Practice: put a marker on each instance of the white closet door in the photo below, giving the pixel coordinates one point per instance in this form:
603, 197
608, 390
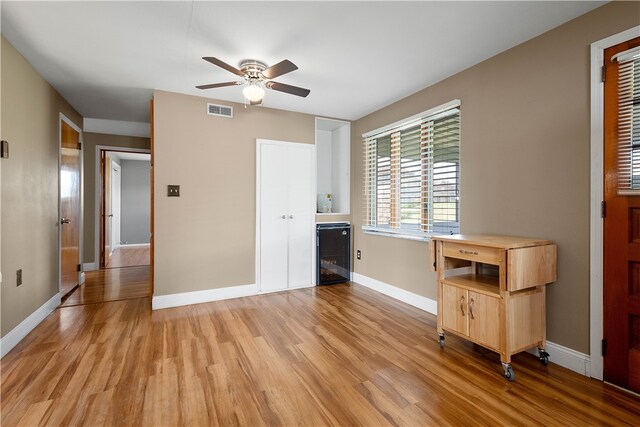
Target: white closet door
274, 180
301, 208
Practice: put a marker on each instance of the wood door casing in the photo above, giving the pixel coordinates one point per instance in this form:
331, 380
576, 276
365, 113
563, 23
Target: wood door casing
70, 158
621, 304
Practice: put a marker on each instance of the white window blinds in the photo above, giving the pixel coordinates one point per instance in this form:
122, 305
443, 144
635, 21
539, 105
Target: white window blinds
412, 176
629, 121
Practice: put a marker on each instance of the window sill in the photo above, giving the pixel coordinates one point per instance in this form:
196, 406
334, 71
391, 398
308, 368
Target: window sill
395, 234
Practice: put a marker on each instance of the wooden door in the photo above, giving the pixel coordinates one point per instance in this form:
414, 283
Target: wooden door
621, 247
300, 215
105, 211
70, 157
115, 215
273, 219
454, 309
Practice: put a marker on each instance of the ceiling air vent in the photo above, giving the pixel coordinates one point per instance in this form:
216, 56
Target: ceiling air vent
219, 110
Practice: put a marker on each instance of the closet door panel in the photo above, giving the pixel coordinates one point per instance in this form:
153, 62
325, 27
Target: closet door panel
274, 181
300, 218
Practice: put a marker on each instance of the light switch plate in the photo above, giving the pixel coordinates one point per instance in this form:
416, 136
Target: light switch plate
173, 190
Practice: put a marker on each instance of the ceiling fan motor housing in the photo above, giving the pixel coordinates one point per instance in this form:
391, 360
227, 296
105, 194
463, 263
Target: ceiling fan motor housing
253, 69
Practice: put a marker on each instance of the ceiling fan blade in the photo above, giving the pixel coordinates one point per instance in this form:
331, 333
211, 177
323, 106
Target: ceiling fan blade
293, 90
213, 85
221, 64
282, 67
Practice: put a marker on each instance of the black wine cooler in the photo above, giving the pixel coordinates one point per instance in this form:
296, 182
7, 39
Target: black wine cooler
333, 253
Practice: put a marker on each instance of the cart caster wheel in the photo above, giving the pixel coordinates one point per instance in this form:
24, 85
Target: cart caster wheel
441, 340
544, 357
508, 372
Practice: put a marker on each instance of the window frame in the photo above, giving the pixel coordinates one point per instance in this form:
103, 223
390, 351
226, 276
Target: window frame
369, 206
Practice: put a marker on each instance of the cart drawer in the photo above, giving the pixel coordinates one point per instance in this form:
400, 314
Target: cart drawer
473, 253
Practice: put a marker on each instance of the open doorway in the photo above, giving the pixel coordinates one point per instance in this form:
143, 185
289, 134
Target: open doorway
122, 224
125, 209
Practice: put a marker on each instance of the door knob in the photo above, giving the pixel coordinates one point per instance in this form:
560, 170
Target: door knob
110, 216
290, 216
284, 217
65, 221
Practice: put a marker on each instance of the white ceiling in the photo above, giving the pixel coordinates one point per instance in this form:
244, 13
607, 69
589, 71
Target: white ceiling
123, 155
106, 58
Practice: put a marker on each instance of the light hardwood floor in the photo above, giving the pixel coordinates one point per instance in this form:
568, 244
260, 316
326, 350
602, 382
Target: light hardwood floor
129, 256
111, 284
334, 355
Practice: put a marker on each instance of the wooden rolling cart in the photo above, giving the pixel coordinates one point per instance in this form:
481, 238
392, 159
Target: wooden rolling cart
498, 300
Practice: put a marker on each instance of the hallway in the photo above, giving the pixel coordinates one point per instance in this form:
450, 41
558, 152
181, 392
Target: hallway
129, 256
111, 284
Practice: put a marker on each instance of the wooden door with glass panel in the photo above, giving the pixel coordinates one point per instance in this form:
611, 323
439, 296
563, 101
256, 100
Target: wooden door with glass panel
621, 211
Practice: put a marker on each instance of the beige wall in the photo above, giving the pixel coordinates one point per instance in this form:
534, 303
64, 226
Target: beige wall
30, 111
91, 141
525, 161
332, 218
206, 238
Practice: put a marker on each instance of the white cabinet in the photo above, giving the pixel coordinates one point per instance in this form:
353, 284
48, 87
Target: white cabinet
285, 221
333, 164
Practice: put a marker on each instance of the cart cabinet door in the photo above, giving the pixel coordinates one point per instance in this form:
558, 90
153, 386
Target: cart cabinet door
454, 309
484, 319
530, 267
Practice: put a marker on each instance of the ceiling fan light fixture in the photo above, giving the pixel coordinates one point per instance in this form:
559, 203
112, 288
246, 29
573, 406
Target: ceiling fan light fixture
253, 92
257, 77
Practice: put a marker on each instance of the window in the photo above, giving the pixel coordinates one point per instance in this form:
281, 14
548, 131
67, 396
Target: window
629, 120
412, 175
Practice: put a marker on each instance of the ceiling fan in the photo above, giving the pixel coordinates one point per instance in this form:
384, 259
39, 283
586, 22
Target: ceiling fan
257, 76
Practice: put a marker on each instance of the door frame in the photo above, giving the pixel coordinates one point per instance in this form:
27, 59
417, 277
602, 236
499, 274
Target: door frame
115, 245
68, 121
312, 147
97, 191
596, 255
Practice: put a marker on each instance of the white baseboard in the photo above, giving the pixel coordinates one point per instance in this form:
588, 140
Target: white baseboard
423, 303
567, 358
13, 337
197, 297
558, 354
89, 266
133, 245
274, 291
